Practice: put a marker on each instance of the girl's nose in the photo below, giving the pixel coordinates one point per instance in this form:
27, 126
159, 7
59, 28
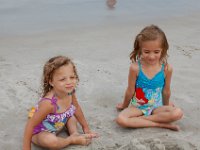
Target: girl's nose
152, 56
68, 81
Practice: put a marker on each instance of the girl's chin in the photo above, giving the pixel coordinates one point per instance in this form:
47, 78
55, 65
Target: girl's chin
69, 89
152, 62
70, 92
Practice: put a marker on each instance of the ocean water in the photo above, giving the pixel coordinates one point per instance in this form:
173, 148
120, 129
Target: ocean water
31, 16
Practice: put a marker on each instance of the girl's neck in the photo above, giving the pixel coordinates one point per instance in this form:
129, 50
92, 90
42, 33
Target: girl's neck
60, 95
146, 65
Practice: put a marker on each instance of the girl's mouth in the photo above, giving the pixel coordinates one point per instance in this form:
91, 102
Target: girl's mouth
69, 87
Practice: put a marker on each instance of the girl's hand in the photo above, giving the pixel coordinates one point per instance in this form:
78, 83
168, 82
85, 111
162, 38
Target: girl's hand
171, 104
120, 106
91, 133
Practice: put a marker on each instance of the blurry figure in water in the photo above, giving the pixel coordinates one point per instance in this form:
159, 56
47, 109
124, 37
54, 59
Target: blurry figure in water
111, 3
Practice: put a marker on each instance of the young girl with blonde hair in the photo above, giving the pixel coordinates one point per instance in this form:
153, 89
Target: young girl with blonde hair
58, 108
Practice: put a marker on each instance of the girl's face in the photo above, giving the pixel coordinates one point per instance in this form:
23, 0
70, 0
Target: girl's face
64, 80
151, 52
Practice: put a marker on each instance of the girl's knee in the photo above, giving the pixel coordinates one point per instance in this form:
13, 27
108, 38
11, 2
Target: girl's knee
177, 114
121, 120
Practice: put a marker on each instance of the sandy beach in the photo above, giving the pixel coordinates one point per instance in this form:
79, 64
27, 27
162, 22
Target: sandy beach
101, 53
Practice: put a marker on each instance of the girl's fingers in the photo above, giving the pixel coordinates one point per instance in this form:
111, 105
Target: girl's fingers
88, 136
88, 141
119, 106
91, 135
94, 135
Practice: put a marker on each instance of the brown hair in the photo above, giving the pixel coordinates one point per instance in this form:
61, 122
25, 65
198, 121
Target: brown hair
150, 33
50, 67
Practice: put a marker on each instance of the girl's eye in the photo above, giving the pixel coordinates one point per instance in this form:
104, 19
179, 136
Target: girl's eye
72, 77
157, 52
62, 79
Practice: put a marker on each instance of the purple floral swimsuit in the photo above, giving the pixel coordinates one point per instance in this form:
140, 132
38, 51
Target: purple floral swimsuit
54, 122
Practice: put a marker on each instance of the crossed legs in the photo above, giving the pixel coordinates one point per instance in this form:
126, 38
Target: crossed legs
161, 117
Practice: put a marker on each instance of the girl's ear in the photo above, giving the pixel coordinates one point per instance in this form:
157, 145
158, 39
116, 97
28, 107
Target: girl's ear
50, 82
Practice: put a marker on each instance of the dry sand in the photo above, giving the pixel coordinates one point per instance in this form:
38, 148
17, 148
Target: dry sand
101, 54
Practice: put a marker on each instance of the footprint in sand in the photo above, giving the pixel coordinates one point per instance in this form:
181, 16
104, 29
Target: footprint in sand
23, 83
187, 50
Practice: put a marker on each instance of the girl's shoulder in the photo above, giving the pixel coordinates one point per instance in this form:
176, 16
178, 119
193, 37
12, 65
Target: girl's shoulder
134, 69
134, 66
46, 106
168, 70
47, 101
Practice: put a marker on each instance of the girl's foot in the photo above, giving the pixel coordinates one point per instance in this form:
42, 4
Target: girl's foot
84, 139
175, 127
171, 127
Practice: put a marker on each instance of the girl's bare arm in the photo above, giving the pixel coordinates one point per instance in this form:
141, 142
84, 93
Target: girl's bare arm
133, 71
79, 115
166, 90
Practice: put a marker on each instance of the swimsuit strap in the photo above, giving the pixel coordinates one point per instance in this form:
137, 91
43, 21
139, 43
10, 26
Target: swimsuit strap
163, 67
53, 101
139, 64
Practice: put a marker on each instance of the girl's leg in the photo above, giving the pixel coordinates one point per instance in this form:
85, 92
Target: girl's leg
73, 129
51, 141
165, 114
133, 117
72, 126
